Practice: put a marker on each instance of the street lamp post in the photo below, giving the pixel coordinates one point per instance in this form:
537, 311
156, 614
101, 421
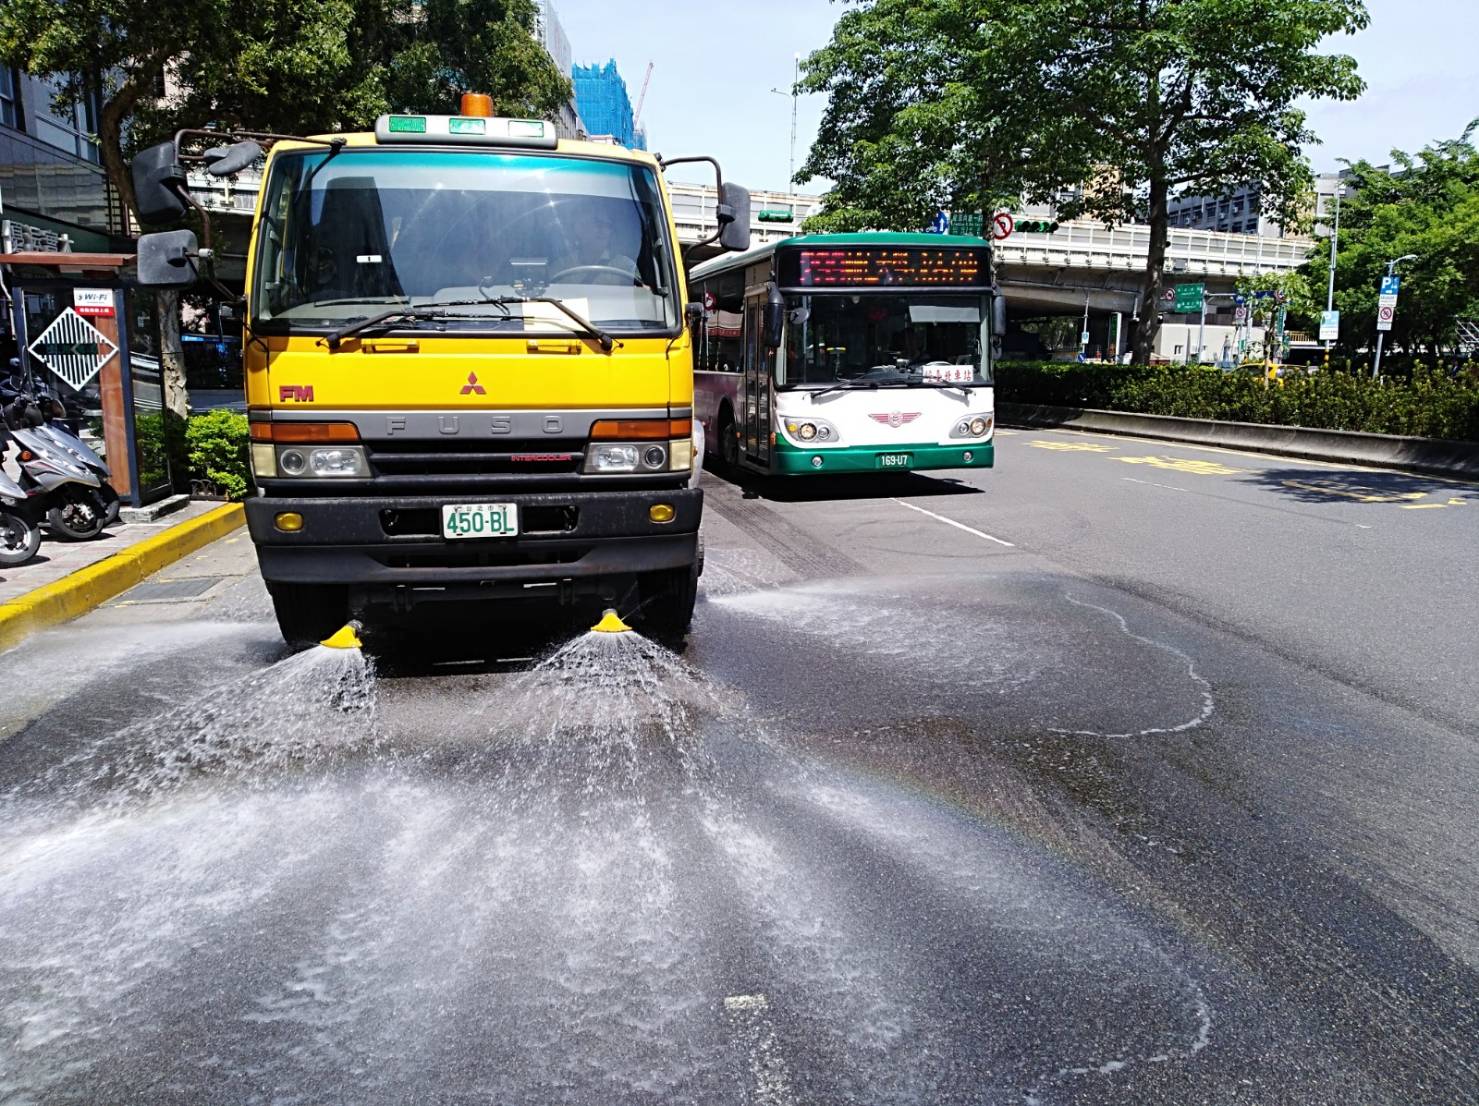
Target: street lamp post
1380, 334
1330, 295
791, 167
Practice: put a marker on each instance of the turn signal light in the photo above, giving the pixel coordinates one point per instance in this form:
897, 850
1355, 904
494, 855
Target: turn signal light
305, 432
642, 429
661, 512
289, 522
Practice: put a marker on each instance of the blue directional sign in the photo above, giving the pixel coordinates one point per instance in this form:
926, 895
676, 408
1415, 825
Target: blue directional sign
941, 225
1391, 285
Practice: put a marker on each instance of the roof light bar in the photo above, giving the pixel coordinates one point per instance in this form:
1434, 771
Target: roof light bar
465, 130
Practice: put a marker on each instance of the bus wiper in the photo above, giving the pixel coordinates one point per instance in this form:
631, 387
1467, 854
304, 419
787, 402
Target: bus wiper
403, 311
843, 386
604, 340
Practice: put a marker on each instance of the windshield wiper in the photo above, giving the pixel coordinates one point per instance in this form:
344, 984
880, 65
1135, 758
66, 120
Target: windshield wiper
843, 386
604, 340
434, 310
402, 311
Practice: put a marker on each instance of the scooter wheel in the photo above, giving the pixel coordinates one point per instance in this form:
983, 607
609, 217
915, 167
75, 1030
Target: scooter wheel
111, 503
19, 540
78, 516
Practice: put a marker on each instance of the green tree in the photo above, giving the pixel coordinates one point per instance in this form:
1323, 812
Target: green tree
1426, 205
291, 66
1106, 107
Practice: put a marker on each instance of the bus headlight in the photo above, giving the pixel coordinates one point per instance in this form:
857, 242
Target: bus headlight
973, 426
322, 462
810, 430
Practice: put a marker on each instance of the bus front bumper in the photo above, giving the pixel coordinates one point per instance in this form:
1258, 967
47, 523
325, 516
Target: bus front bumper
789, 459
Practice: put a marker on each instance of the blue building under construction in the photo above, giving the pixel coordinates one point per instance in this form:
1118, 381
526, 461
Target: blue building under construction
604, 106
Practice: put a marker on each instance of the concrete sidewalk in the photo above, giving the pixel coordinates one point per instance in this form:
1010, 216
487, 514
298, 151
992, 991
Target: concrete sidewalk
67, 579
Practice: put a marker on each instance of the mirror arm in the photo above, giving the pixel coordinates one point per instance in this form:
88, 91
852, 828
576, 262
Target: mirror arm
665, 163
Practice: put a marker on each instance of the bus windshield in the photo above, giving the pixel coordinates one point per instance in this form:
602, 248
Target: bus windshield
885, 340
346, 235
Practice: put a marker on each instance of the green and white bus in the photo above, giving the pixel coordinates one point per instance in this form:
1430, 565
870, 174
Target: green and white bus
837, 353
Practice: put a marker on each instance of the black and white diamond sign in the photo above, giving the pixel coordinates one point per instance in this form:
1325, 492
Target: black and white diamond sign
73, 348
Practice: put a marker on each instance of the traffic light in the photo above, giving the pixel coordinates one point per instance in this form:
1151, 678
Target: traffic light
1036, 226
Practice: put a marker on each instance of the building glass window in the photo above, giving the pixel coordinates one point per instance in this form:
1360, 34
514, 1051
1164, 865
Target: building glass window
71, 129
9, 108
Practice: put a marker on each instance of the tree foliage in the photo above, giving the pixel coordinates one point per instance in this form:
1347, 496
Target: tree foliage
293, 66
1426, 205
1105, 107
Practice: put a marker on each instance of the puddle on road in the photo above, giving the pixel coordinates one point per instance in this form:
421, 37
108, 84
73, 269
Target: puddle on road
272, 893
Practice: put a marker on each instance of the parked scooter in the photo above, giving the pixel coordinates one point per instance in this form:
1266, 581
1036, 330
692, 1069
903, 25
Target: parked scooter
20, 524
79, 500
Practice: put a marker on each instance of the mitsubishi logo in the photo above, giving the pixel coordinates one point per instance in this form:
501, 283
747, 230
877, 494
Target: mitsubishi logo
895, 419
472, 387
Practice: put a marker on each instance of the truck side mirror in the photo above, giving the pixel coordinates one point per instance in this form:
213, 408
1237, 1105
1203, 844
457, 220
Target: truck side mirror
225, 161
158, 180
167, 259
734, 216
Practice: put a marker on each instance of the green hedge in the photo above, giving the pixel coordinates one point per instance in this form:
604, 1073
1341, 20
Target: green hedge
217, 445
1428, 405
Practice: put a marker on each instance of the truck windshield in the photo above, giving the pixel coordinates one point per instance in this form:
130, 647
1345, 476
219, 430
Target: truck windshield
885, 340
343, 236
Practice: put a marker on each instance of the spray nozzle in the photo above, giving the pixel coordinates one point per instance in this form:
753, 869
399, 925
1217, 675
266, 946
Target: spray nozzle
346, 637
611, 623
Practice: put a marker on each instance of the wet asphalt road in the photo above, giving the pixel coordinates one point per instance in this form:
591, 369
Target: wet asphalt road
1125, 773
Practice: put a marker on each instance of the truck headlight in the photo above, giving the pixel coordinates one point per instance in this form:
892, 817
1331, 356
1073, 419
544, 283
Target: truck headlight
322, 462
613, 457
973, 426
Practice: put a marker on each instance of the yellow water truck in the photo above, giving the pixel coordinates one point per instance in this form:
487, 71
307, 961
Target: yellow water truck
468, 366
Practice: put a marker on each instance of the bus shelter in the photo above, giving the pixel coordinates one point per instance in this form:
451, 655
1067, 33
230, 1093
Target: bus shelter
78, 324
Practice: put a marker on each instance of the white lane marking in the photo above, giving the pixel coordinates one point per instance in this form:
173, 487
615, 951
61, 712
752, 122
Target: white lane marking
957, 525
750, 1015
1153, 484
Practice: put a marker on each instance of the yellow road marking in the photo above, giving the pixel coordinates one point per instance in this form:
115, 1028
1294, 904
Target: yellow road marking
1354, 491
1423, 506
1457, 502
1254, 455
1073, 447
1179, 464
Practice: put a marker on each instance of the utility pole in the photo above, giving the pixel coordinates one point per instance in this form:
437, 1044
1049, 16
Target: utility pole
1380, 334
1330, 294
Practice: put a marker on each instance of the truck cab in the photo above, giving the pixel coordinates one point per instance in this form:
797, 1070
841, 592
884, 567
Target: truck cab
468, 375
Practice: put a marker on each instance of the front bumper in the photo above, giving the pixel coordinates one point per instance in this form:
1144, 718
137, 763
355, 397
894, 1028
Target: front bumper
572, 541
788, 458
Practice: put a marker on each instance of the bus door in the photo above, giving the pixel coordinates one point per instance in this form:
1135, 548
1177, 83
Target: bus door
759, 363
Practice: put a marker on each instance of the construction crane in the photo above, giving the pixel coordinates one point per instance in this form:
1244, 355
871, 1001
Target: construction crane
642, 97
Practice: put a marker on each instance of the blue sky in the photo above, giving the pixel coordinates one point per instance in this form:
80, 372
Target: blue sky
715, 65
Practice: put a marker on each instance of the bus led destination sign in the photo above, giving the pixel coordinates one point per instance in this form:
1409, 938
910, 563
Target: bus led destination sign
852, 267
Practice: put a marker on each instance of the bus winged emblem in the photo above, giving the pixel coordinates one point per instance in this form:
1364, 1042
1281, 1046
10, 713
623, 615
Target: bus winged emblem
472, 387
894, 419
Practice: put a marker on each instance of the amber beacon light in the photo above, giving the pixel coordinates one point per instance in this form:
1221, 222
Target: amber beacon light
477, 105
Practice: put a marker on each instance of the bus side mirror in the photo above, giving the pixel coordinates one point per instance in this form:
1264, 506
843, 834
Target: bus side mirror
167, 259
734, 216
998, 314
775, 319
158, 179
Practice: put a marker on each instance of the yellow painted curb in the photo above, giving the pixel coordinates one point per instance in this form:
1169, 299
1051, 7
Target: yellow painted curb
81, 591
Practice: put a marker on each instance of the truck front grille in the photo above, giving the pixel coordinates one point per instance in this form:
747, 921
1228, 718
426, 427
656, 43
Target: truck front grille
460, 457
